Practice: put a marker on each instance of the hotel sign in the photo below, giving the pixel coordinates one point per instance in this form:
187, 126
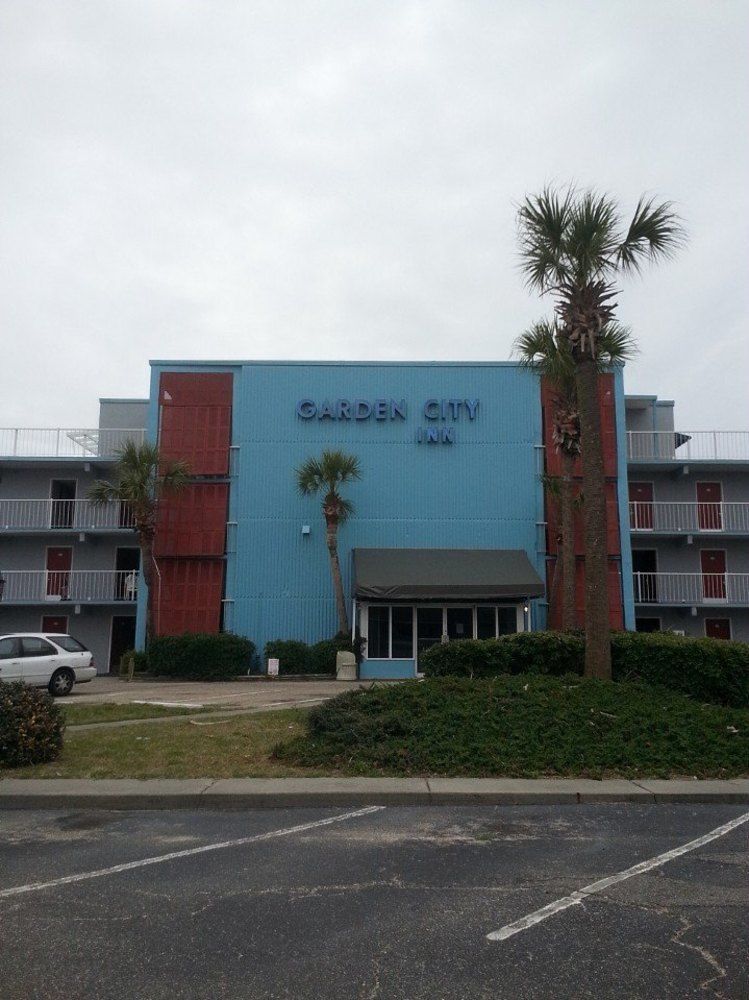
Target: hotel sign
442, 414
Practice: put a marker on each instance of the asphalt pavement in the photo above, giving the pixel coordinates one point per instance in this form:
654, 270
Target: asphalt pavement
376, 902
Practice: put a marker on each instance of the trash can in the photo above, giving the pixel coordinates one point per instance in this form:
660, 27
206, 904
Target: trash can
345, 666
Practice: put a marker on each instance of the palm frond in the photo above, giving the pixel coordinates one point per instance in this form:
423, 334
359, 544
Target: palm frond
103, 492
541, 348
615, 344
542, 222
655, 232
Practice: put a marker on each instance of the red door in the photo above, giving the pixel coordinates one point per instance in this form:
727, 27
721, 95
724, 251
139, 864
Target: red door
55, 624
709, 506
718, 628
713, 565
641, 506
59, 562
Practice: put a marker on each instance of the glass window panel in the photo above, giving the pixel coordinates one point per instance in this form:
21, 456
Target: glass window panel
486, 625
428, 627
403, 632
37, 647
8, 649
460, 623
378, 638
507, 620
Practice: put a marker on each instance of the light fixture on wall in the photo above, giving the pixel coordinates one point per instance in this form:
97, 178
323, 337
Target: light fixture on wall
305, 529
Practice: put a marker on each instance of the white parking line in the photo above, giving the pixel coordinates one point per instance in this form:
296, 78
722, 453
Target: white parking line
19, 890
575, 898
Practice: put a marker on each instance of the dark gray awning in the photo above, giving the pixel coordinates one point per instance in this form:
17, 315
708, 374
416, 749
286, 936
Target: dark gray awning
444, 574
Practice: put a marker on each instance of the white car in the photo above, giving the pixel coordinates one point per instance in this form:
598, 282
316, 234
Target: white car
56, 662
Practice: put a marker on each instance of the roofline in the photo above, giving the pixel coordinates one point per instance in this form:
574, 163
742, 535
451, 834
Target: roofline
123, 399
239, 363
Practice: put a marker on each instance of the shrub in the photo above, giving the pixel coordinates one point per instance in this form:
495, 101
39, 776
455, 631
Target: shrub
31, 726
201, 656
525, 726
553, 653
706, 669
293, 656
141, 662
323, 653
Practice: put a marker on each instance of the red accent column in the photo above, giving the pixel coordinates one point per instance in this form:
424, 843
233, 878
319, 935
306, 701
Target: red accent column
195, 411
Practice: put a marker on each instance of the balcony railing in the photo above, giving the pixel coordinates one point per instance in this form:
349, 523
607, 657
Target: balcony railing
61, 515
691, 446
60, 442
691, 588
678, 517
84, 586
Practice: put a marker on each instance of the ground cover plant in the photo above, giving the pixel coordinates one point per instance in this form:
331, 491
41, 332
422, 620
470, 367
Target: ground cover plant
705, 669
523, 726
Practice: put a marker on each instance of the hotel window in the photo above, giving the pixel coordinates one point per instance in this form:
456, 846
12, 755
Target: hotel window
378, 629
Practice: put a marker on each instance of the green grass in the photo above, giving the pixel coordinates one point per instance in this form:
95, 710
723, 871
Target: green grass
240, 747
79, 715
522, 726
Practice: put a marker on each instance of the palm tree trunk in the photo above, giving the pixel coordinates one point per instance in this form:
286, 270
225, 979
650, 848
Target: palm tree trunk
597, 624
335, 570
146, 563
567, 554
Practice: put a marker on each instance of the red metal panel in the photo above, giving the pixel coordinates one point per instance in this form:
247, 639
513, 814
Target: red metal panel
195, 389
195, 420
193, 523
190, 599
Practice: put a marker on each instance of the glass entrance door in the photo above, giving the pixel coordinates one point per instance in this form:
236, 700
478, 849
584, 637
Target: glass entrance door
460, 623
428, 628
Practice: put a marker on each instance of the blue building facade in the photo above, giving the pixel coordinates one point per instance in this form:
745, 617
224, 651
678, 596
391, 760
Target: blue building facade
451, 457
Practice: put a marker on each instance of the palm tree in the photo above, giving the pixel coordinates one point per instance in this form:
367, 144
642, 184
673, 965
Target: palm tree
574, 247
140, 480
544, 349
326, 475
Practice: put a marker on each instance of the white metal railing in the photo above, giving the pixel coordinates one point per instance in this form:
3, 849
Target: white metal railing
65, 442
691, 588
688, 516
76, 515
688, 446
79, 586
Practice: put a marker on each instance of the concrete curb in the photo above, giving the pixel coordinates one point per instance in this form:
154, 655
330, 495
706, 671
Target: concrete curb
244, 793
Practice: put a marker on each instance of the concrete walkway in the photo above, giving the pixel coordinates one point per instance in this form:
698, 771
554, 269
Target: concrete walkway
239, 793
250, 693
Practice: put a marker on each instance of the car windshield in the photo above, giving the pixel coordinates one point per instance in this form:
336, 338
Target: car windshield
68, 643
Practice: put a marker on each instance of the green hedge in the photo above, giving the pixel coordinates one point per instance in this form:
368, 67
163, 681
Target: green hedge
293, 656
710, 670
298, 658
31, 726
202, 656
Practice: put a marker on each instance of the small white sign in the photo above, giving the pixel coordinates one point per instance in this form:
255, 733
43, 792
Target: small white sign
272, 667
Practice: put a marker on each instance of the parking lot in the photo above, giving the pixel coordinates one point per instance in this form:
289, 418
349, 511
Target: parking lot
396, 902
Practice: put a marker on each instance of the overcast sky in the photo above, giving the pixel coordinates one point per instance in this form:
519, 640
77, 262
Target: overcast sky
184, 179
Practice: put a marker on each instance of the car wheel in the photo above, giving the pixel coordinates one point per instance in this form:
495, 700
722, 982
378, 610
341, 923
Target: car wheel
61, 682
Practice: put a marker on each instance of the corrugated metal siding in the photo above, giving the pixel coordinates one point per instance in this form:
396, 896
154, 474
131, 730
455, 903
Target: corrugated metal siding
195, 424
190, 599
481, 492
194, 522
